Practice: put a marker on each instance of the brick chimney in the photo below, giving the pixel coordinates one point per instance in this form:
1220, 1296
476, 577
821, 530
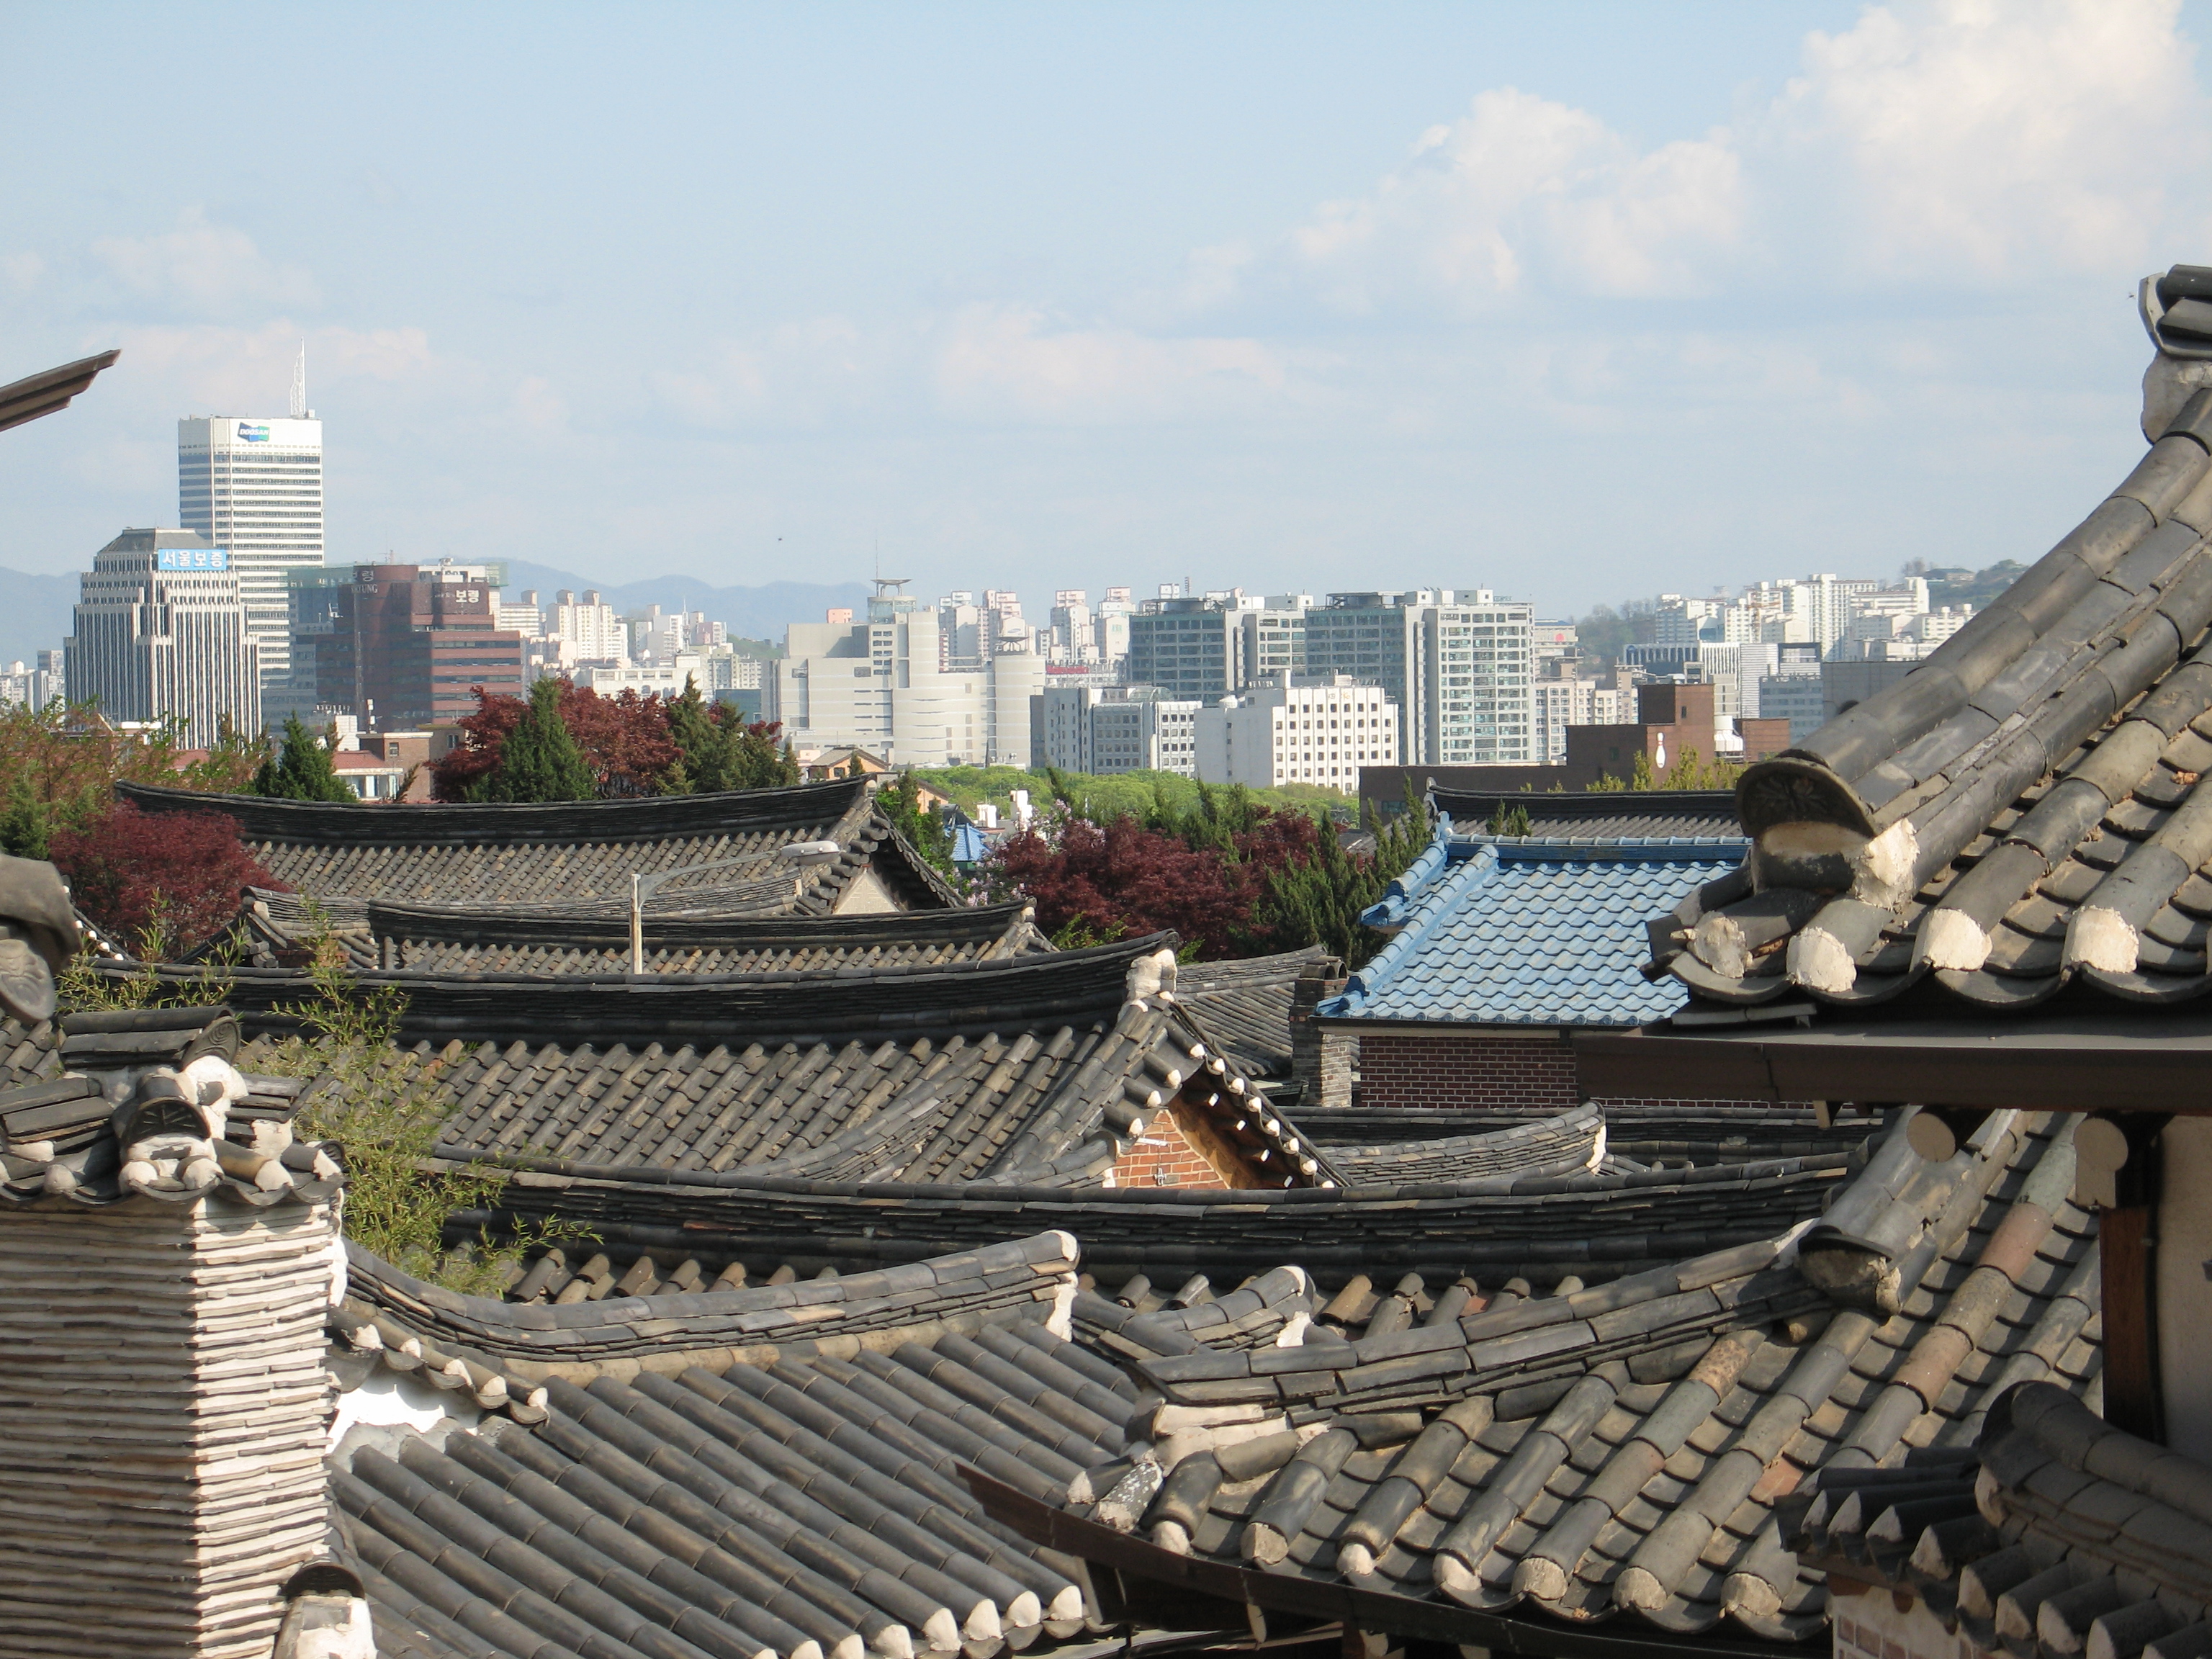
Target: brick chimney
1321, 1059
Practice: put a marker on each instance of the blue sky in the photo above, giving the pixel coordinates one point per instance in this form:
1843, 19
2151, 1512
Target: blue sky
1579, 302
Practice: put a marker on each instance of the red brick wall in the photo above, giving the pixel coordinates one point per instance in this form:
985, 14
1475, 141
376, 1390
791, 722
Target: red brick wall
1464, 1071
1461, 1072
1164, 1156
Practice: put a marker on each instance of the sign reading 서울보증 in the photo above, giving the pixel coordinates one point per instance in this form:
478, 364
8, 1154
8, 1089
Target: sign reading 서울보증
191, 558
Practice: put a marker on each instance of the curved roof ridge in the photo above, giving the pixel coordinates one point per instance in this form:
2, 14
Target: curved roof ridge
505, 924
649, 818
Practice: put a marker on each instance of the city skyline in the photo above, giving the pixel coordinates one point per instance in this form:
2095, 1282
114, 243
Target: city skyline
1468, 297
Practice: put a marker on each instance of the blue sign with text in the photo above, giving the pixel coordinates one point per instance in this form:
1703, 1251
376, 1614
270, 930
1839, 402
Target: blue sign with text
191, 558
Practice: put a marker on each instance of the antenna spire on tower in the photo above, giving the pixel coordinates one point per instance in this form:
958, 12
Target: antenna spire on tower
300, 384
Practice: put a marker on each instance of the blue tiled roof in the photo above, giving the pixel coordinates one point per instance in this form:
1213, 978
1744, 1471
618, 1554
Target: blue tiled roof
1528, 931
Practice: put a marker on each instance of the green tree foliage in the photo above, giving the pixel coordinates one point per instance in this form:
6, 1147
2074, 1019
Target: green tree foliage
1604, 633
540, 760
722, 750
1690, 771
901, 803
59, 766
300, 769
1232, 874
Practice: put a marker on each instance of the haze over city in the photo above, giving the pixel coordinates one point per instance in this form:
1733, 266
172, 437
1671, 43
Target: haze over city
1580, 303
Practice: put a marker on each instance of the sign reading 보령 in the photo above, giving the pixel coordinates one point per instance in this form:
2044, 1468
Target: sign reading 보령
191, 558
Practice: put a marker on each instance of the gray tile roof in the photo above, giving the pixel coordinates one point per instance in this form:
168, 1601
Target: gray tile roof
2021, 812
805, 1505
1028, 1069
2054, 1536
449, 941
1619, 1450
761, 1469
144, 1103
1538, 1224
1638, 814
1244, 1007
1526, 931
574, 857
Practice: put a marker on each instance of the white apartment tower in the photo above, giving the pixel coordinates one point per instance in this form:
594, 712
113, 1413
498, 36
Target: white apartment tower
1458, 666
254, 487
1304, 728
161, 633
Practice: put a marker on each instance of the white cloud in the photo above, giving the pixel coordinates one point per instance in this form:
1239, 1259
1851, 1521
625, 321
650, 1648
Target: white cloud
797, 373
980, 362
1525, 189
23, 269
205, 267
538, 406
209, 365
1994, 134
1952, 142
996, 360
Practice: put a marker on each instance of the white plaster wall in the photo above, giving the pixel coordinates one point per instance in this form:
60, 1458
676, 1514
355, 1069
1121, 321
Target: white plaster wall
2182, 1246
866, 894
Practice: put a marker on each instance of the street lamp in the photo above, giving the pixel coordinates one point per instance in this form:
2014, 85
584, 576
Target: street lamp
798, 854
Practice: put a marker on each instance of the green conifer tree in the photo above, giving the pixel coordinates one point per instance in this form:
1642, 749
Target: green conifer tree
540, 760
302, 769
704, 741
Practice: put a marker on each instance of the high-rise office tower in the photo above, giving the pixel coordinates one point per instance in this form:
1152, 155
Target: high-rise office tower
161, 633
254, 487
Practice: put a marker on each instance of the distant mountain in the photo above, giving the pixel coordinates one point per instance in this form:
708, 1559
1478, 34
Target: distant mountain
754, 613
34, 614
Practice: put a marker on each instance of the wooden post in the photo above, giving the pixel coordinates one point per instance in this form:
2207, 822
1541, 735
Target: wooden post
2127, 1245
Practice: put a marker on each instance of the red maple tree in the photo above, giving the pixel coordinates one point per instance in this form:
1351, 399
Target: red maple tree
625, 739
1123, 881
160, 881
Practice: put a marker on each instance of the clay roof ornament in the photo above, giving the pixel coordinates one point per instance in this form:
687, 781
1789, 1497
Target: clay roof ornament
38, 936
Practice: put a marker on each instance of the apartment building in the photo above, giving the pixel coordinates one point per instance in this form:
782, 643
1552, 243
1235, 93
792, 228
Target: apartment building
1304, 728
1457, 666
1114, 728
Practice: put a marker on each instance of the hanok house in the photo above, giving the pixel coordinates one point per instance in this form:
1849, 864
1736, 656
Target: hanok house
1504, 945
700, 1452
814, 849
280, 929
1985, 889
904, 1111
988, 1451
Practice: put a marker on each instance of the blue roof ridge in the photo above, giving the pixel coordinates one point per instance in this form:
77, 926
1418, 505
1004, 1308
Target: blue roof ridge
1436, 899
1428, 864
1658, 849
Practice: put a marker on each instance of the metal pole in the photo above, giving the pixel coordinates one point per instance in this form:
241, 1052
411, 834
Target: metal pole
636, 927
